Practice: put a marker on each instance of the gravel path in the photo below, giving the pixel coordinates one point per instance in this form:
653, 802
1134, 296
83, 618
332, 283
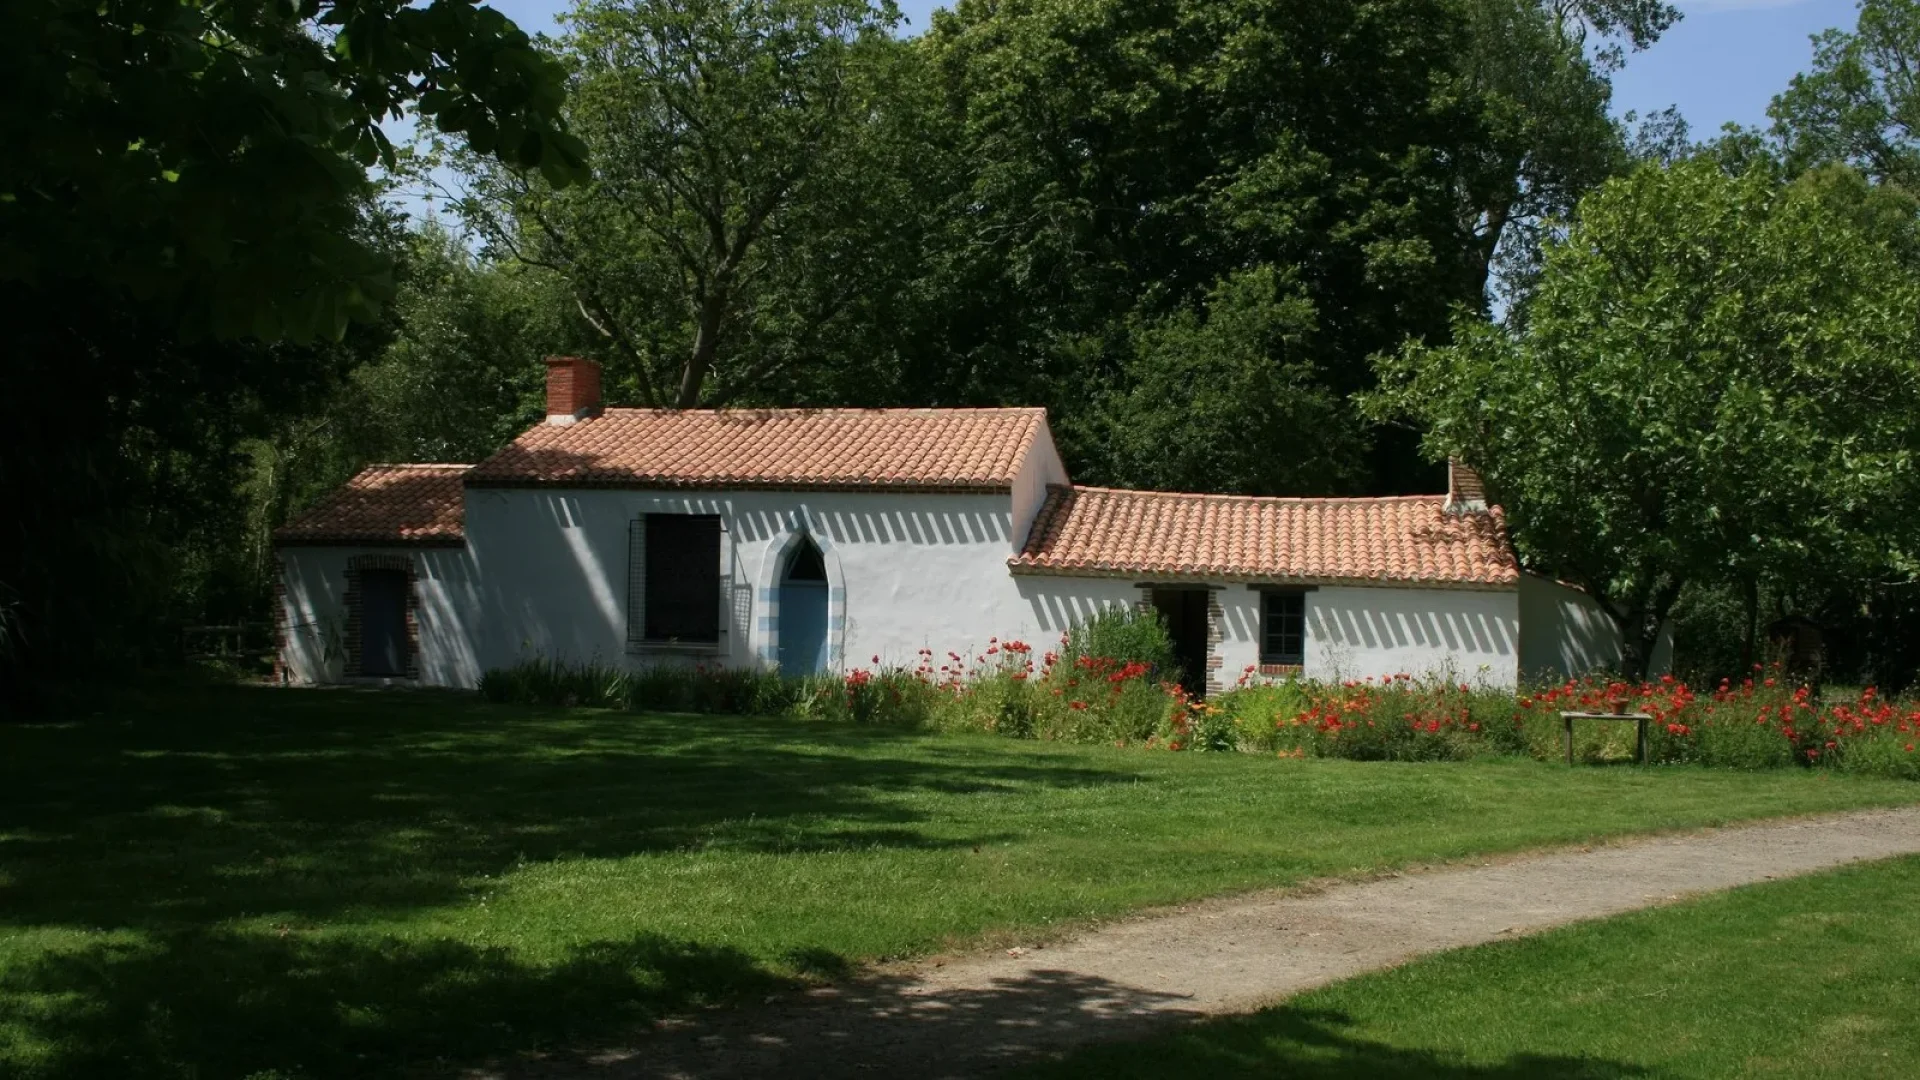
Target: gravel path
977, 1013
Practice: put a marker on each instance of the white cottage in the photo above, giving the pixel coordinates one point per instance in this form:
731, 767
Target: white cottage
820, 539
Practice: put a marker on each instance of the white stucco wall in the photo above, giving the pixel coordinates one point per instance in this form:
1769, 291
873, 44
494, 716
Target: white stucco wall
314, 612
1041, 468
1471, 635
1565, 634
1351, 632
544, 575
1239, 646
905, 571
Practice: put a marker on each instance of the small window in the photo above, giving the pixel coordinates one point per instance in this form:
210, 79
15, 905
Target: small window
683, 578
806, 563
1283, 628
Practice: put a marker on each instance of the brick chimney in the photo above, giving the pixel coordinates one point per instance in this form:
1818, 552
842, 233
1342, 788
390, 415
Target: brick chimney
573, 389
1465, 492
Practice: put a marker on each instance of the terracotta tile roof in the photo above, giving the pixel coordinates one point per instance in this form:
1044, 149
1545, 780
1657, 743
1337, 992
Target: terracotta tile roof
1106, 532
387, 504
843, 449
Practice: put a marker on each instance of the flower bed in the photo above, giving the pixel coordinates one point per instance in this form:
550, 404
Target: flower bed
1762, 722
1401, 718
1075, 694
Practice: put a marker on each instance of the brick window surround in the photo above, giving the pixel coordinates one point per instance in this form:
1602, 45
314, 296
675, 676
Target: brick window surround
355, 566
282, 670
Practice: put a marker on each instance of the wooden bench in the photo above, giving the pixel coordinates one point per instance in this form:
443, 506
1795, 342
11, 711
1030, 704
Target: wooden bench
1641, 720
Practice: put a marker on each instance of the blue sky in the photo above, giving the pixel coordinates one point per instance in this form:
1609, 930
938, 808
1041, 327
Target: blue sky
1726, 59
1722, 63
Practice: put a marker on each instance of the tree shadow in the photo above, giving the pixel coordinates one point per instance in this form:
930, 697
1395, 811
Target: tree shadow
215, 1004
1313, 1044
162, 825
310, 802
896, 1027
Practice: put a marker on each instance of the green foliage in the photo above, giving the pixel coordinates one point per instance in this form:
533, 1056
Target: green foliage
1124, 635
1203, 385
463, 374
1540, 73
186, 237
1214, 140
1215, 211
554, 682
737, 211
1858, 104
1087, 698
1761, 722
203, 161
1716, 377
1398, 719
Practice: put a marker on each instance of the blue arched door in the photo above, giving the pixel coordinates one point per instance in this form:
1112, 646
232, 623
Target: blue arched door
803, 611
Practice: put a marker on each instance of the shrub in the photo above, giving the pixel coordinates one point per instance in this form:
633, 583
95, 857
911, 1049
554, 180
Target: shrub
1122, 634
555, 682
1395, 719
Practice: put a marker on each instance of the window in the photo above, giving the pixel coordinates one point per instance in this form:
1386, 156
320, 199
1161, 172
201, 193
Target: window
1283, 628
679, 574
806, 563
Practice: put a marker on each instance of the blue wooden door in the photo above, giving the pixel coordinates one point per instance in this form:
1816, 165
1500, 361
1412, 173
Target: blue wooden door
803, 627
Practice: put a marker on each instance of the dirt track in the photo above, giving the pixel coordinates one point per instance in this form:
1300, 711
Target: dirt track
978, 1013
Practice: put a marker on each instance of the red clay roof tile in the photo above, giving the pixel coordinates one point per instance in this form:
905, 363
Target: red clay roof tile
1105, 532
386, 505
842, 449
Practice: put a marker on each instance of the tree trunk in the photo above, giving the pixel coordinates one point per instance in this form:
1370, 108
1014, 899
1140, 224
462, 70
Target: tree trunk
1753, 622
1636, 649
1640, 628
706, 345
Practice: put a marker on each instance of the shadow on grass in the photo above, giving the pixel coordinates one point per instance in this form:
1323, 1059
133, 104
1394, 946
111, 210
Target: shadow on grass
309, 803
890, 1027
233, 1005
1312, 1044
164, 822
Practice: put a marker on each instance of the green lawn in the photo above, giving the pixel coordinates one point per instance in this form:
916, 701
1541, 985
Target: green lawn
220, 881
1815, 977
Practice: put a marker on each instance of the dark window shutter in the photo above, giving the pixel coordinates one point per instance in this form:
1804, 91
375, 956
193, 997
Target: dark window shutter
683, 596
636, 580
724, 585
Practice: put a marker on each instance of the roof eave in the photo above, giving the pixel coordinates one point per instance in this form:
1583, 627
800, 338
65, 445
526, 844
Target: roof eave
665, 484
370, 541
1028, 569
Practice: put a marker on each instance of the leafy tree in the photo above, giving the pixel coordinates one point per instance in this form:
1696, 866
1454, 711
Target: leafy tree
185, 228
462, 375
455, 376
1542, 73
1123, 162
1120, 166
206, 160
1860, 104
730, 220
1210, 392
1716, 380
